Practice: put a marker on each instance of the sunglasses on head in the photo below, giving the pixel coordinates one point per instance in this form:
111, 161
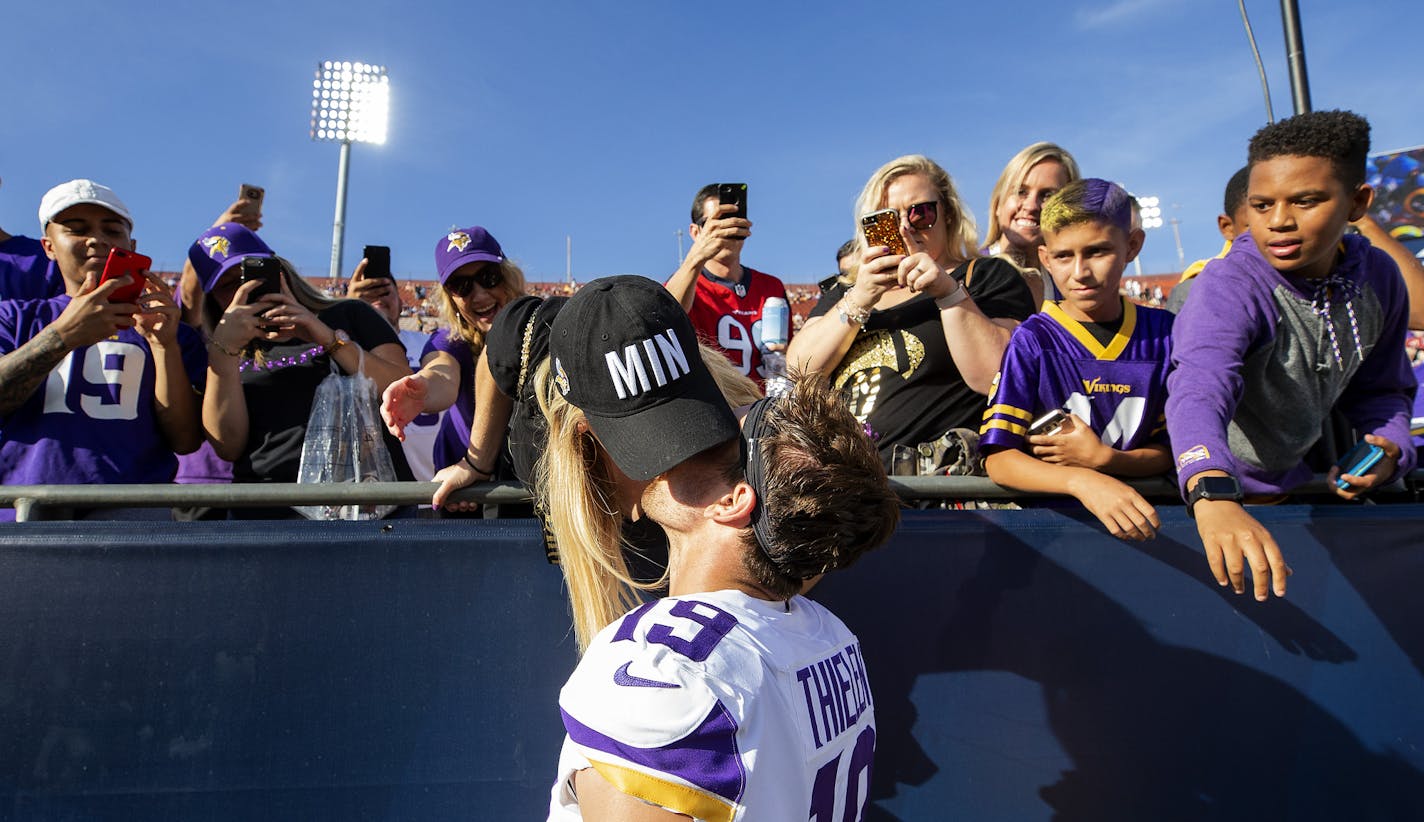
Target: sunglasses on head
487, 278
922, 216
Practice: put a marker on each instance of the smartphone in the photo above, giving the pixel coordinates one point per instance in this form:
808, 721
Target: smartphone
125, 264
883, 228
1360, 459
267, 271
1050, 423
253, 194
733, 194
378, 262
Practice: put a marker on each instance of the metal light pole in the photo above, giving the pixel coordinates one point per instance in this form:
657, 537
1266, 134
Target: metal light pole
1295, 56
350, 104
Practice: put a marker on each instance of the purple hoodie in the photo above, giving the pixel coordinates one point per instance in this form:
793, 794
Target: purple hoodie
1259, 359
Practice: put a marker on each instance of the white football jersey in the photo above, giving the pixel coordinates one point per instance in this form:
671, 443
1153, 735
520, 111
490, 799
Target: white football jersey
722, 706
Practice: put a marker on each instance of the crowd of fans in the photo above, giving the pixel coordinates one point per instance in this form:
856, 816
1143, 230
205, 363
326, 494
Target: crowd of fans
1021, 353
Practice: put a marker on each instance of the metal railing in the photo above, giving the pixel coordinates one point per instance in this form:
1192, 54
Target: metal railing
32, 501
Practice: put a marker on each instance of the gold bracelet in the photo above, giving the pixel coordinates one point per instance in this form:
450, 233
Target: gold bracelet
339, 340
212, 343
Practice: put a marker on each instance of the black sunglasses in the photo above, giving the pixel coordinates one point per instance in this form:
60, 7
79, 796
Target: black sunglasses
487, 278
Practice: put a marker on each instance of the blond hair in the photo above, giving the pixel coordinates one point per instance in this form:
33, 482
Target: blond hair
576, 495
955, 219
511, 288
1013, 176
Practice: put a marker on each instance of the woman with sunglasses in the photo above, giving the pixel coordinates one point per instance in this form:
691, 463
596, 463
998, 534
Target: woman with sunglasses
270, 344
915, 338
476, 281
1030, 178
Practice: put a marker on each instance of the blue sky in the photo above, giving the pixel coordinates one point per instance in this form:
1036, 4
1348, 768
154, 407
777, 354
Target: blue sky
599, 121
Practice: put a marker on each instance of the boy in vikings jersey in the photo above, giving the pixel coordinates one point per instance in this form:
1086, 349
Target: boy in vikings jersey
92, 390
735, 697
1093, 355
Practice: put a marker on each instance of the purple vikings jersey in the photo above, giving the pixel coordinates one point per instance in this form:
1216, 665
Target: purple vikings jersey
1054, 362
25, 272
723, 707
92, 419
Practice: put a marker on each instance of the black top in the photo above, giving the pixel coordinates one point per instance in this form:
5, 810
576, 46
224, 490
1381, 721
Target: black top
902, 380
279, 401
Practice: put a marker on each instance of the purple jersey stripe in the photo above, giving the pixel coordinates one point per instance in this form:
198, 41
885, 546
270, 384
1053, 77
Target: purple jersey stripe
707, 757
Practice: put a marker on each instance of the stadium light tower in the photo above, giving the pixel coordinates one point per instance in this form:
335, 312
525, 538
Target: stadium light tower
350, 104
1150, 210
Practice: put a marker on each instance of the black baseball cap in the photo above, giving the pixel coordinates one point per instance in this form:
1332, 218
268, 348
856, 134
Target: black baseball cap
624, 353
518, 341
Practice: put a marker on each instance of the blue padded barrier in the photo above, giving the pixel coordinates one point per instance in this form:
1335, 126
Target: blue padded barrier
1025, 666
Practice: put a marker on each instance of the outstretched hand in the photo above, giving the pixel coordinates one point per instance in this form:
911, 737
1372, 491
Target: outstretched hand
403, 401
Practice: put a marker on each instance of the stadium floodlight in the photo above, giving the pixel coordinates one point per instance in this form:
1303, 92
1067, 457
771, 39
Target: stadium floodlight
1151, 212
350, 104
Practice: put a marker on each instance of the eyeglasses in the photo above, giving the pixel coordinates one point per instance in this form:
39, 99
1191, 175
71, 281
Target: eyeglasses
487, 278
922, 216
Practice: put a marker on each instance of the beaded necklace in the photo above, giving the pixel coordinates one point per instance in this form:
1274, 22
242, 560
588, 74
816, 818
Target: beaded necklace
279, 363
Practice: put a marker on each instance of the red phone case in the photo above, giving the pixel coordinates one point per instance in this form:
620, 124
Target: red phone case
121, 264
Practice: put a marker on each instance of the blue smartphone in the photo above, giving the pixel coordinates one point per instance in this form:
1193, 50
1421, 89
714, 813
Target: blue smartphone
1360, 459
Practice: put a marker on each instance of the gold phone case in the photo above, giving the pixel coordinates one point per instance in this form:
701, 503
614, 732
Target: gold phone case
883, 228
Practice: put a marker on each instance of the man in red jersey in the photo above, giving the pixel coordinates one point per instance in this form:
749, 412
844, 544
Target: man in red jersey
723, 298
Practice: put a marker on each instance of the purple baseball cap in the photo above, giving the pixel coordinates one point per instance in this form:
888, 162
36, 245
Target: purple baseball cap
465, 245
222, 247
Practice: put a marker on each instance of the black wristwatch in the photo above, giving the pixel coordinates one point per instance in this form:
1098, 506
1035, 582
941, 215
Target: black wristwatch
1213, 488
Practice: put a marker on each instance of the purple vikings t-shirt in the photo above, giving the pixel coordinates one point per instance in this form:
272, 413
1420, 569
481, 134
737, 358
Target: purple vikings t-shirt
1053, 361
26, 273
92, 420
453, 440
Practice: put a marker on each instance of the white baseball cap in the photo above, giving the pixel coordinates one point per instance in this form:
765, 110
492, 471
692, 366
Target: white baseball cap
79, 192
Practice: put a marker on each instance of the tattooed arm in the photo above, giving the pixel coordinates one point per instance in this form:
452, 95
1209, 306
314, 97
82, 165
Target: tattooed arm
88, 318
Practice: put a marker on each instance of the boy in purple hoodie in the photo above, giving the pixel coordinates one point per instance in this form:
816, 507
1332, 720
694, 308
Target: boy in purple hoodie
1295, 319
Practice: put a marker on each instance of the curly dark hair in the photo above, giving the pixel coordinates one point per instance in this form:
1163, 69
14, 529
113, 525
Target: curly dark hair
1342, 137
827, 500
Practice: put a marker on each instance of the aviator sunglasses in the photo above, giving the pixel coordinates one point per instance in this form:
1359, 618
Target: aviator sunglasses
487, 278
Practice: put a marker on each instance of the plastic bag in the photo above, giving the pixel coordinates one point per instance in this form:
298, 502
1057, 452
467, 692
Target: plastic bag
344, 443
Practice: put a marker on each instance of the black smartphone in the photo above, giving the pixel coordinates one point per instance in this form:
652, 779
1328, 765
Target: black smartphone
265, 270
378, 262
733, 194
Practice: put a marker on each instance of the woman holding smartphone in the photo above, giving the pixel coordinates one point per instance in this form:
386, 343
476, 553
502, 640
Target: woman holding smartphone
476, 281
1030, 178
272, 339
916, 338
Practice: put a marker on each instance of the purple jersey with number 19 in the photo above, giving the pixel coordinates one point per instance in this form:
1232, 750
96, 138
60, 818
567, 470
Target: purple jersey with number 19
723, 707
1119, 389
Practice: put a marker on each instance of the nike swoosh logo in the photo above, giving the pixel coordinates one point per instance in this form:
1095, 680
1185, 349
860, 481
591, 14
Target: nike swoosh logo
622, 677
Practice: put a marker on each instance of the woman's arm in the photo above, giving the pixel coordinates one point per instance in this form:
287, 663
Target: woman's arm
823, 341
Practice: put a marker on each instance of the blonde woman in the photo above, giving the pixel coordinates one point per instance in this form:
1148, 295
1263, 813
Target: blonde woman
476, 281
592, 507
1030, 178
916, 338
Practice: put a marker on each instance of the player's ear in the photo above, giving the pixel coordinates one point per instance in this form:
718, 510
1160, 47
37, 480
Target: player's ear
1043, 256
734, 508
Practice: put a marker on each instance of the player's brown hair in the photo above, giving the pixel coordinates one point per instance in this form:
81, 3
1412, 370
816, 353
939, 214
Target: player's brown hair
825, 497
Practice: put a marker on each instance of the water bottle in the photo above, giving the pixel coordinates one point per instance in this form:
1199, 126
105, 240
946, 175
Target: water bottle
775, 321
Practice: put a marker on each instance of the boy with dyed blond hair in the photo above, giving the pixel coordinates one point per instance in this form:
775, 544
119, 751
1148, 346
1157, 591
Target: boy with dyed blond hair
1092, 354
